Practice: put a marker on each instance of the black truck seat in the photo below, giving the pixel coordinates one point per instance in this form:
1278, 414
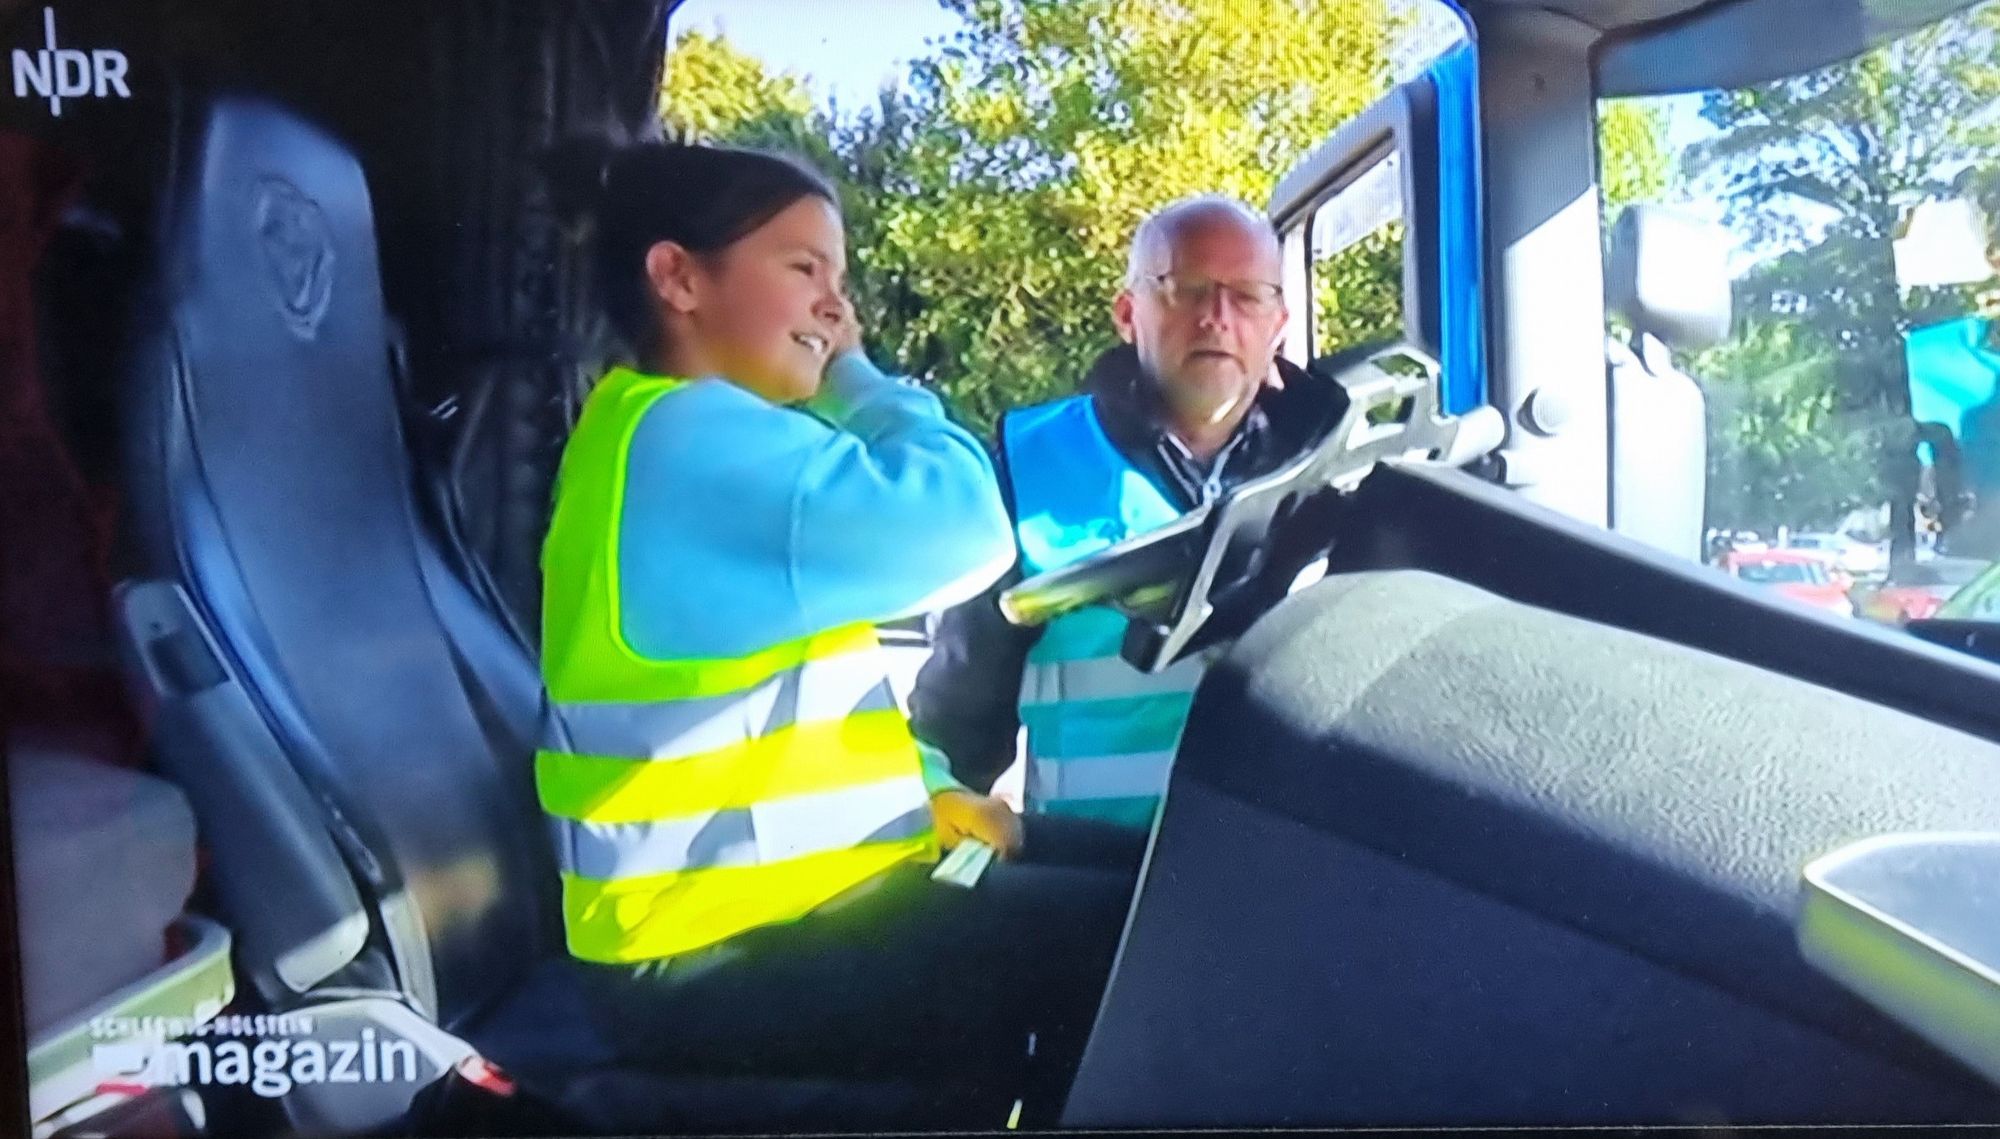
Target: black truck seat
352, 728
1442, 858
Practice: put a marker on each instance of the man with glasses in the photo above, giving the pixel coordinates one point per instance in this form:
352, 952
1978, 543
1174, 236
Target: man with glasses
1193, 402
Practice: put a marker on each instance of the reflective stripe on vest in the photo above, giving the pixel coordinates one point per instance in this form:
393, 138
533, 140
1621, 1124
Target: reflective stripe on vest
696, 799
1105, 678
746, 836
1101, 734
809, 692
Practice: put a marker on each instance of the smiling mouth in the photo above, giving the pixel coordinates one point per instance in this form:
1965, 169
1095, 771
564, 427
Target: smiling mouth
817, 345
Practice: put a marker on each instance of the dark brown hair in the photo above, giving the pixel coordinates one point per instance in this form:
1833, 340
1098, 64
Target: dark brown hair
628, 198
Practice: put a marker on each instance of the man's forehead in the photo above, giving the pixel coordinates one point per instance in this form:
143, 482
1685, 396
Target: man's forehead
1219, 237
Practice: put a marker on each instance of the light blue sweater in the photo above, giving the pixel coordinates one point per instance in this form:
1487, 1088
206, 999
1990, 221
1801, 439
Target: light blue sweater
868, 506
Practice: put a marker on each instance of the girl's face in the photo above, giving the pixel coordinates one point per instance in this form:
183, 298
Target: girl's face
765, 311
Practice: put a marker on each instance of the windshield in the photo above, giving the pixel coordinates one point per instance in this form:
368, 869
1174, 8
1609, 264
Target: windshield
1855, 401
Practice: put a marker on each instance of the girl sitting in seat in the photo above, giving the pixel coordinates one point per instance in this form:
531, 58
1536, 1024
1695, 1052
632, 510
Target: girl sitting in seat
746, 827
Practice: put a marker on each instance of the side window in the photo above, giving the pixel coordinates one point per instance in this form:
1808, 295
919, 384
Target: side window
1355, 267
1382, 227
1853, 408
1354, 272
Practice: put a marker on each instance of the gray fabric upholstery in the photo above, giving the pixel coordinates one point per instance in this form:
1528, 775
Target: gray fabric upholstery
1585, 809
1559, 764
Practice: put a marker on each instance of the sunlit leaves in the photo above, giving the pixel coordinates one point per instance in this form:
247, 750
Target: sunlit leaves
1823, 166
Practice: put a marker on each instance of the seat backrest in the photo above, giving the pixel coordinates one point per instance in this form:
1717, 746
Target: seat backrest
272, 481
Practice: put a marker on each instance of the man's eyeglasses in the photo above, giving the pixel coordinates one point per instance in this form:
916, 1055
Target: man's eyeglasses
1252, 298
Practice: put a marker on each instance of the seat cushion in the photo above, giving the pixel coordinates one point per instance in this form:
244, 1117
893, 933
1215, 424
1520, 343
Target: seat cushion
104, 861
543, 1036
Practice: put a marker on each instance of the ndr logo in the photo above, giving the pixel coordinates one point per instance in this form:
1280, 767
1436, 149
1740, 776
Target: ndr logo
58, 73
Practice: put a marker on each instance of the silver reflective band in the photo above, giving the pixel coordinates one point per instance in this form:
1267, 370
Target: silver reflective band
1104, 678
1137, 775
818, 691
773, 831
629, 850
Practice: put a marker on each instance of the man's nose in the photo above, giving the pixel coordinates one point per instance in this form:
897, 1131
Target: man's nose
1218, 312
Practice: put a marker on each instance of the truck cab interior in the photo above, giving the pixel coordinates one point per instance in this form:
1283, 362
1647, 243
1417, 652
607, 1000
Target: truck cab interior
1503, 822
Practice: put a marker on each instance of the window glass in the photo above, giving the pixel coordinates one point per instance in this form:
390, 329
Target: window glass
1854, 408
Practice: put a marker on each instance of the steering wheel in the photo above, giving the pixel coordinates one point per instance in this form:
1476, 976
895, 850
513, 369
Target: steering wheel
1168, 581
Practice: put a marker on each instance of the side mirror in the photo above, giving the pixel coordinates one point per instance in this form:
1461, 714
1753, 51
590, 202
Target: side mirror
1668, 277
1911, 924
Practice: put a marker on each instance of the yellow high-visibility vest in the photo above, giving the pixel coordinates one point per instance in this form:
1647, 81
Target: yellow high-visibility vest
694, 799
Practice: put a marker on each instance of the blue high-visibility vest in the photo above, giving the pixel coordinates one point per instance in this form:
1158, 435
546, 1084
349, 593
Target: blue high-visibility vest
1101, 734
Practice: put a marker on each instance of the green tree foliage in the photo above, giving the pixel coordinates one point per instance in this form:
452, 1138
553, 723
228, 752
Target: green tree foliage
1050, 128
712, 92
1842, 151
990, 201
1633, 164
1358, 292
990, 204
1783, 450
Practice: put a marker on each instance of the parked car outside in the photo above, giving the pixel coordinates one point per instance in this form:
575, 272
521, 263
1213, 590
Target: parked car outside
1797, 574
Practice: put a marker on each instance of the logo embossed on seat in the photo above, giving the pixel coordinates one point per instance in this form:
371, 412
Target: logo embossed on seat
298, 251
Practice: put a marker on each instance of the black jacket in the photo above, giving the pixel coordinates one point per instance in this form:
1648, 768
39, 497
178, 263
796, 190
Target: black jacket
966, 696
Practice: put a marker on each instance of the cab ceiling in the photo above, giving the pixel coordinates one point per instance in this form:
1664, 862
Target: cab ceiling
1660, 47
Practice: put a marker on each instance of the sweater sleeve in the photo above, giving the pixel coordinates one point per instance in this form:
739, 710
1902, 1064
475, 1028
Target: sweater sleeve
748, 524
967, 694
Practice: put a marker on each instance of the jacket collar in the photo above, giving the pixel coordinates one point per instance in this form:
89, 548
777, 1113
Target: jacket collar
1281, 423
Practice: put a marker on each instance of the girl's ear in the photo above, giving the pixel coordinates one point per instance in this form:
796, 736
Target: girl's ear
675, 276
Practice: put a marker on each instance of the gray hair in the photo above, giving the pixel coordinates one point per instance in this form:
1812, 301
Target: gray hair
1167, 224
